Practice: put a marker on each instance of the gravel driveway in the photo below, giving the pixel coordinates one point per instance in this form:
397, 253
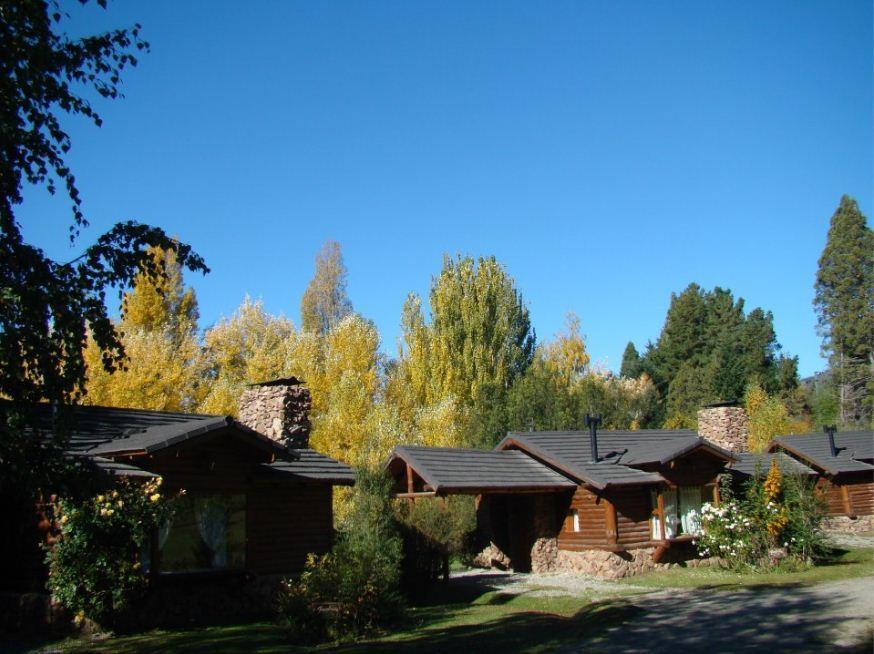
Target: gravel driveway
829, 617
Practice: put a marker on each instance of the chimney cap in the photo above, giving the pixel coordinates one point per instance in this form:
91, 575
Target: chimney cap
719, 405
284, 381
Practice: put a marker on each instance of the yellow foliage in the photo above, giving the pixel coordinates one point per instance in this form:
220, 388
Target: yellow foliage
566, 354
768, 417
773, 482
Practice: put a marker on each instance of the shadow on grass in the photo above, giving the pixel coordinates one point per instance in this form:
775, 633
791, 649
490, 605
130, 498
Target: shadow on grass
527, 631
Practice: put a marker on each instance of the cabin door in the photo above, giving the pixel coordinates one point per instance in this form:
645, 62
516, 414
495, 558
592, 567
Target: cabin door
520, 522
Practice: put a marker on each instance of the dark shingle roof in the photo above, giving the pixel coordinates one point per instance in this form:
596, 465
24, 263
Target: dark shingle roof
570, 452
852, 446
313, 466
449, 469
99, 433
749, 464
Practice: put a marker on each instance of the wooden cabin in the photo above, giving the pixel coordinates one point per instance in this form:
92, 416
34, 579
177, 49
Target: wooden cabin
844, 465
572, 493
252, 504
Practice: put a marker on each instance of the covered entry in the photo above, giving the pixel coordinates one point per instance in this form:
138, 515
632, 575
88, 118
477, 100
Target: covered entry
518, 498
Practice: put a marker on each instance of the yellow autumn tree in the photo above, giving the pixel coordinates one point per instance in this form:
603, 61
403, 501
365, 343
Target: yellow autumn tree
344, 383
159, 331
566, 354
250, 346
768, 417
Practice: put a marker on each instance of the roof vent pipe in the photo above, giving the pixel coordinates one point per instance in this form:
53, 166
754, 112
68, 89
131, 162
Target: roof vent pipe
592, 423
830, 430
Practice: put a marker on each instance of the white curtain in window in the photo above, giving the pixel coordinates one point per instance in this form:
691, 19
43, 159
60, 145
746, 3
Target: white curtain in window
690, 506
212, 522
669, 500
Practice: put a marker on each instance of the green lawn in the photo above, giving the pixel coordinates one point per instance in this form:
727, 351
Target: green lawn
842, 565
461, 617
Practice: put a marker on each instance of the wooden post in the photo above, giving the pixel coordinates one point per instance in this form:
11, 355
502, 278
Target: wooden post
848, 504
410, 484
610, 515
716, 498
661, 505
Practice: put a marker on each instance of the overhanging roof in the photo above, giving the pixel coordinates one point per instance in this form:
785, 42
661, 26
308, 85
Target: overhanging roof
854, 448
310, 466
455, 470
749, 464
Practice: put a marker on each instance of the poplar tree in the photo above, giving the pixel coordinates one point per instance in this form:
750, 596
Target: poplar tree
844, 303
325, 301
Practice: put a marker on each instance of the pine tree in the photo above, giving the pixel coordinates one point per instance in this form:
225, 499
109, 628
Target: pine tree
844, 303
325, 301
631, 362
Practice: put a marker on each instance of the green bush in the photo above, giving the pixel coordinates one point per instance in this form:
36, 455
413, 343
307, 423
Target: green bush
434, 530
94, 564
354, 590
775, 512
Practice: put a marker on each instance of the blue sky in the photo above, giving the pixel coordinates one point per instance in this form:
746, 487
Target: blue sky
607, 153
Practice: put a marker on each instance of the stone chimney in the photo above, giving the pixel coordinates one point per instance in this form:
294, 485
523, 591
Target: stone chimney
725, 424
278, 409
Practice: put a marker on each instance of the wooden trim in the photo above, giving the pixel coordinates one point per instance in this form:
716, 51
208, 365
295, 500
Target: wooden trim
716, 498
661, 508
660, 552
610, 517
411, 496
410, 483
848, 503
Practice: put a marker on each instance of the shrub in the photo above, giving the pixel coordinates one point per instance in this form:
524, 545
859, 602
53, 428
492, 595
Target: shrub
94, 565
353, 590
433, 531
775, 512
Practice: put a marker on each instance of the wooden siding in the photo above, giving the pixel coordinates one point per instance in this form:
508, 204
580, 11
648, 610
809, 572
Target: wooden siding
592, 511
284, 524
633, 512
699, 468
859, 491
284, 521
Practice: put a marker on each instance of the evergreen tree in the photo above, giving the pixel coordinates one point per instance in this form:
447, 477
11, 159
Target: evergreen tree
844, 303
631, 362
325, 301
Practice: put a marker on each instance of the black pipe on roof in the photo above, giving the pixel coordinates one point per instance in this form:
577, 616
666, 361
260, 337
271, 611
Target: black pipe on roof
592, 423
830, 430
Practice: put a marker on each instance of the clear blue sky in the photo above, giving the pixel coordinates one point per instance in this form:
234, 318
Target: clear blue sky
608, 153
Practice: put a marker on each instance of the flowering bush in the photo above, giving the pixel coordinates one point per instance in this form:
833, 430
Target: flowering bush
775, 513
94, 564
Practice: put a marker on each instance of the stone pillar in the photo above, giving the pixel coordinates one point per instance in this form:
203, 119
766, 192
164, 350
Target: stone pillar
725, 425
279, 409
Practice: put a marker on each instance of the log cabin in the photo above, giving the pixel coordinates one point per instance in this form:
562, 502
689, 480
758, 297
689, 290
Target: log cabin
611, 503
843, 463
253, 504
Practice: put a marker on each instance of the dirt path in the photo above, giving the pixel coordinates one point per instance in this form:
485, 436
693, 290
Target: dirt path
829, 617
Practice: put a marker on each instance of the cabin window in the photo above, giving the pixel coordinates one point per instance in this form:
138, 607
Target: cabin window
572, 520
682, 508
205, 532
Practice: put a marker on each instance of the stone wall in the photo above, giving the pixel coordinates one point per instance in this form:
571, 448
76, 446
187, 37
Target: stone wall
846, 525
725, 426
279, 410
616, 565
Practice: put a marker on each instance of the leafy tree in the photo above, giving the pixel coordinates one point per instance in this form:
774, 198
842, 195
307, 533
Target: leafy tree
710, 349
768, 417
325, 302
249, 347
844, 303
163, 370
480, 331
631, 362
48, 305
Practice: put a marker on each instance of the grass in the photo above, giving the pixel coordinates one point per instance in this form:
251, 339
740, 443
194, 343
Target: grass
452, 620
475, 619
842, 564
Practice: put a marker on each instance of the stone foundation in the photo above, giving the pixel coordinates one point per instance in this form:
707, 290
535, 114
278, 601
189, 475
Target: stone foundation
279, 410
616, 565
725, 426
492, 557
544, 555
845, 525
